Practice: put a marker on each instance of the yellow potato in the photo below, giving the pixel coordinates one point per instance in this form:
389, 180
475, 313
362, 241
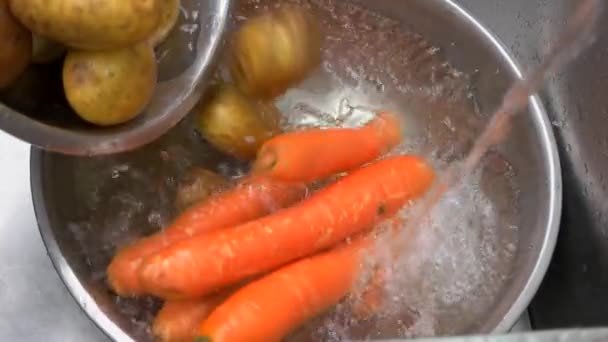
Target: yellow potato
197, 185
169, 16
274, 51
15, 46
90, 24
46, 51
110, 87
233, 123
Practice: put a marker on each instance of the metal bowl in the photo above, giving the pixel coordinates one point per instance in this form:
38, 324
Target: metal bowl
427, 59
35, 110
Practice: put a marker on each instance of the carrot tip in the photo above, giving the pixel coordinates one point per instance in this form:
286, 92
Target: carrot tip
202, 339
389, 124
267, 160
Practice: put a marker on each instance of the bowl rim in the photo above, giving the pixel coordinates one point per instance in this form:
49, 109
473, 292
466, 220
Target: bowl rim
85, 301
75, 142
554, 180
517, 308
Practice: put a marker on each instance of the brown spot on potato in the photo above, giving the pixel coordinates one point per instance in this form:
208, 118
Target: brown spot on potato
110, 87
80, 72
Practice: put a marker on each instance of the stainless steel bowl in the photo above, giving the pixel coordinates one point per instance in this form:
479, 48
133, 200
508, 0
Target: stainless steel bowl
378, 54
35, 110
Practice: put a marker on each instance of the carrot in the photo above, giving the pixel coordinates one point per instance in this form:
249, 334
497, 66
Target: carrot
178, 320
372, 296
271, 307
249, 200
310, 155
204, 263
369, 301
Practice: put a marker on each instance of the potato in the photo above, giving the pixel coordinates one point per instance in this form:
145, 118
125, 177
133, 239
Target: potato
16, 49
274, 51
169, 16
197, 185
46, 51
235, 124
110, 87
90, 24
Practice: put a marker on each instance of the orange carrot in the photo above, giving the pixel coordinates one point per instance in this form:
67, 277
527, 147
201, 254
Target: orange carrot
369, 301
178, 320
204, 263
249, 200
310, 155
271, 307
372, 296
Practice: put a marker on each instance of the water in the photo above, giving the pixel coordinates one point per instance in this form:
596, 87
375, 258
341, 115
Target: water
450, 262
452, 273
456, 269
112, 201
577, 35
433, 276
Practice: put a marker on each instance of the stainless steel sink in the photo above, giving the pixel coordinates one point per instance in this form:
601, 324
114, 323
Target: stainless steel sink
574, 290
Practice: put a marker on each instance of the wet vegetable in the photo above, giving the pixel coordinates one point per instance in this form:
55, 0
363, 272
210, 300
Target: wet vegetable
110, 87
16, 46
303, 156
235, 124
275, 51
252, 198
87, 24
207, 262
270, 308
198, 185
169, 14
178, 321
46, 51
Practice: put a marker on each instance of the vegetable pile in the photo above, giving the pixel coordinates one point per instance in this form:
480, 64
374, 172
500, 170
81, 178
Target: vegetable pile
247, 259
109, 70
255, 260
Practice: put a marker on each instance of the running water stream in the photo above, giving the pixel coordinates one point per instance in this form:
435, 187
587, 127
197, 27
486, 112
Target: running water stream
408, 247
578, 35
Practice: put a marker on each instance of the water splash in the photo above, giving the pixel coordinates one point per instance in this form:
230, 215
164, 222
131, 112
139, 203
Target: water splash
578, 35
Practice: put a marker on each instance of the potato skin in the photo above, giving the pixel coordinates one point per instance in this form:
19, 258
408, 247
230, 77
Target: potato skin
197, 185
234, 123
169, 15
90, 24
16, 46
274, 51
110, 87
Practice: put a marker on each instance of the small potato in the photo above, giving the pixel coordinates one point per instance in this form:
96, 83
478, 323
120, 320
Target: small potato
15, 46
235, 124
169, 16
110, 87
45, 51
197, 185
274, 51
90, 24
